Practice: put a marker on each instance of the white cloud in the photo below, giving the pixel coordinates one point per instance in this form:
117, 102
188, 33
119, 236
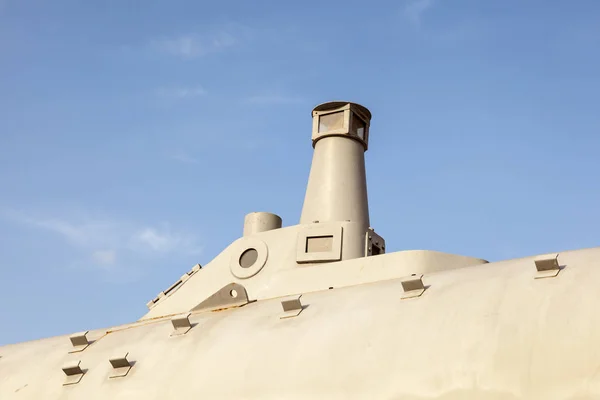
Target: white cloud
162, 242
84, 233
195, 45
154, 239
415, 10
103, 240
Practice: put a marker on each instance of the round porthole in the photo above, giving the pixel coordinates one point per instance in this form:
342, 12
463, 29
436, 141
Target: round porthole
248, 257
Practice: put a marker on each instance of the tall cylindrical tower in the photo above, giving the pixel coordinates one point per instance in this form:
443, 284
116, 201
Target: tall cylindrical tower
337, 184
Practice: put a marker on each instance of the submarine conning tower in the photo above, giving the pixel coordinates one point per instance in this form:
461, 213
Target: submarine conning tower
332, 246
337, 184
336, 194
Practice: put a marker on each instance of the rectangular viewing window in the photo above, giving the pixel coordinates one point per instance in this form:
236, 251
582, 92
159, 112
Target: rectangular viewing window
319, 244
358, 126
331, 122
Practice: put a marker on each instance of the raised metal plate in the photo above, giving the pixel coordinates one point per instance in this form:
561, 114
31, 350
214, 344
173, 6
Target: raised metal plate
231, 295
181, 324
317, 231
73, 373
292, 307
413, 286
79, 341
121, 366
547, 266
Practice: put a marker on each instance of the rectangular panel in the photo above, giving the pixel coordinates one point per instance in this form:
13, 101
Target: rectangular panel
319, 243
316, 244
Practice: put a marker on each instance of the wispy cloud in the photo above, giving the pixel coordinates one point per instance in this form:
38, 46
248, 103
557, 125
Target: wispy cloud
415, 9
181, 92
194, 45
273, 99
108, 243
84, 233
162, 241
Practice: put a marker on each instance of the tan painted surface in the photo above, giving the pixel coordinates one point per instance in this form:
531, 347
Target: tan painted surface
407, 325
257, 222
483, 332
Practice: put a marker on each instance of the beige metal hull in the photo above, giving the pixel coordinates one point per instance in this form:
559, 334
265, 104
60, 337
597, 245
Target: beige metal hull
489, 331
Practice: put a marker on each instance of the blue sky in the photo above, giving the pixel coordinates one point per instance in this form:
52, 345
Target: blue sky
133, 140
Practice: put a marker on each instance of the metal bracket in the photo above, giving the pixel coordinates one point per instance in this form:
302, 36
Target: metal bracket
73, 372
79, 341
292, 307
232, 295
181, 325
121, 366
413, 286
547, 266
374, 244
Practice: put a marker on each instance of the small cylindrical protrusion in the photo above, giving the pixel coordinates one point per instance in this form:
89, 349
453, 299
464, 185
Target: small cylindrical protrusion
257, 222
